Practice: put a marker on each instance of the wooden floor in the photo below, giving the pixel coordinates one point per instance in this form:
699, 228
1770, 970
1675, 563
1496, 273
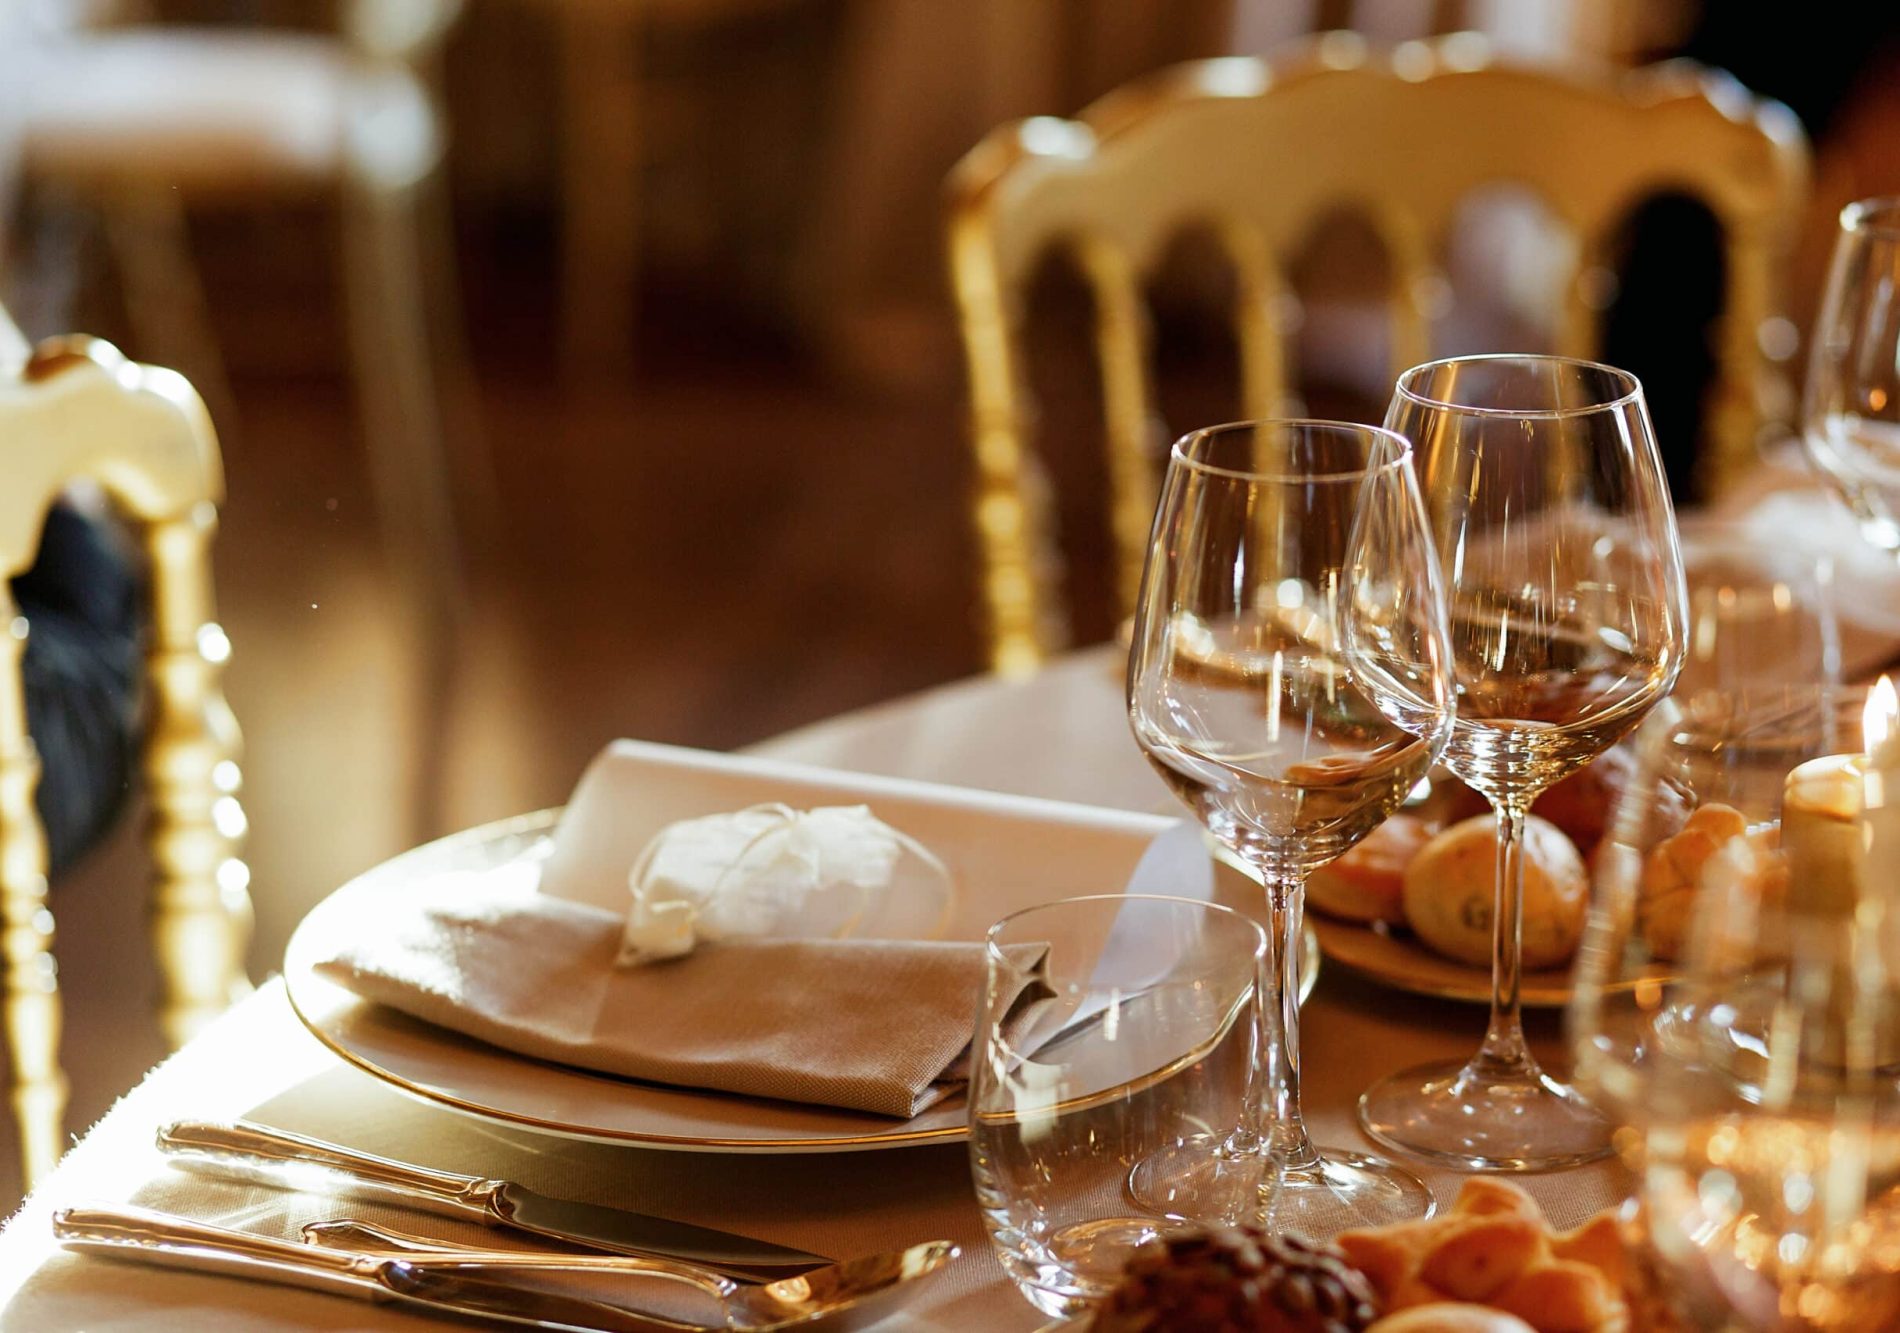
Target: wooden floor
707, 548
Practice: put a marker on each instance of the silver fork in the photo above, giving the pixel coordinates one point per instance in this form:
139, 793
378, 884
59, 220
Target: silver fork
855, 1286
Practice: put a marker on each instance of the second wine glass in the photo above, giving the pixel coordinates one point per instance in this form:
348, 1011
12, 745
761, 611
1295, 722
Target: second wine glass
1851, 412
1567, 610
1288, 679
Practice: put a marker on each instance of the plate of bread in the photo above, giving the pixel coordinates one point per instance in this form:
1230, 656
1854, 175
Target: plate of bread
1412, 904
1491, 1263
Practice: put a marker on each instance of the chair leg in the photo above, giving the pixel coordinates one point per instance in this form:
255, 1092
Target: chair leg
402, 426
30, 1002
164, 297
600, 188
201, 911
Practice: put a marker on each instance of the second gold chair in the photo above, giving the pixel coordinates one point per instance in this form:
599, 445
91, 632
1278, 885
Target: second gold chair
1261, 152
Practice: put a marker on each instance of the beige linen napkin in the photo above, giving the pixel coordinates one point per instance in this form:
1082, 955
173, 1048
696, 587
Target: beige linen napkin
871, 1025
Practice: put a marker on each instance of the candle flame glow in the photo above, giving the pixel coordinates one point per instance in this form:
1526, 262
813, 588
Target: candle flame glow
1878, 718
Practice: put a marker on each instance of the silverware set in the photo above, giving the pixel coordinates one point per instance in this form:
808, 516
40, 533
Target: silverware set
284, 1160
754, 1285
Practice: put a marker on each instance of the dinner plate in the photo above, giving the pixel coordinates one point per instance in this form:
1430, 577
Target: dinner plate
1396, 958
1010, 852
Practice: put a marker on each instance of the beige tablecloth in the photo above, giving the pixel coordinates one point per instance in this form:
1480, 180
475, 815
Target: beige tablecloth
1060, 735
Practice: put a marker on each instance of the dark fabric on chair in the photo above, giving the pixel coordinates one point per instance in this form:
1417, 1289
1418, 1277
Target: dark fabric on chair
84, 608
1662, 329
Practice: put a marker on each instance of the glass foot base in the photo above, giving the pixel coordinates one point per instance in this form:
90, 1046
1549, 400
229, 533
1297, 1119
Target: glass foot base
1341, 1192
1484, 1120
1201, 1181
1344, 1191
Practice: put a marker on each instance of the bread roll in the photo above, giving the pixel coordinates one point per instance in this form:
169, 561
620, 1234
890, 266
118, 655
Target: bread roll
1580, 804
1715, 847
1672, 871
1474, 1263
1365, 884
1493, 1246
1450, 889
1451, 1317
1564, 1296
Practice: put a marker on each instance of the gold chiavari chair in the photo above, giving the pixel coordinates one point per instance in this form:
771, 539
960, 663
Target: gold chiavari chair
72, 410
1261, 152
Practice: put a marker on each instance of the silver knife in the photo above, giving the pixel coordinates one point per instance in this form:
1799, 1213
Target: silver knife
143, 1236
276, 1157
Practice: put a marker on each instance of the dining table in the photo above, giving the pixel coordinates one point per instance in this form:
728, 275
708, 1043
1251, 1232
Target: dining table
1061, 733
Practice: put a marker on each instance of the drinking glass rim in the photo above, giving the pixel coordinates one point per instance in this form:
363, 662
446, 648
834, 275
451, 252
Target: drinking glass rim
1632, 390
1878, 216
1404, 454
994, 948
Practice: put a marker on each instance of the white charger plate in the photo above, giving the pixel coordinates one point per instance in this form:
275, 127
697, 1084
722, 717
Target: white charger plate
1009, 852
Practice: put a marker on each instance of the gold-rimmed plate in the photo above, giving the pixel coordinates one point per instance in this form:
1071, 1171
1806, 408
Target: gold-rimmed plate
1012, 853
1397, 958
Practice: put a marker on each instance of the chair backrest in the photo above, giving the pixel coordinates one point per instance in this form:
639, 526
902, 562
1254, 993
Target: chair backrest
76, 410
1260, 152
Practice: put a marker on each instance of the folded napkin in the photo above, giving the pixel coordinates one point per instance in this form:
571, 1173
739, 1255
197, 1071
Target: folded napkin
873, 1025
1783, 505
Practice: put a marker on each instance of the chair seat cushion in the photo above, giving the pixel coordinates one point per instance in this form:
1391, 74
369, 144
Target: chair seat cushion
200, 108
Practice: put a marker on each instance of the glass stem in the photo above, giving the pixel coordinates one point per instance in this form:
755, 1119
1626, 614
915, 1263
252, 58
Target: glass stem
1286, 1131
1504, 1052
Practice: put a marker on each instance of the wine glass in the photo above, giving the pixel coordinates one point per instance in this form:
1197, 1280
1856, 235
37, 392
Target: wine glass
1737, 1007
1851, 409
1567, 610
1288, 678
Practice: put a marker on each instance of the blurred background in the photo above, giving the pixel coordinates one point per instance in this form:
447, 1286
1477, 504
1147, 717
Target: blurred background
585, 368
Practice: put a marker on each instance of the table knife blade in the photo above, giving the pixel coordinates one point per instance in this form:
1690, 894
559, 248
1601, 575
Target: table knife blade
621, 1232
257, 1153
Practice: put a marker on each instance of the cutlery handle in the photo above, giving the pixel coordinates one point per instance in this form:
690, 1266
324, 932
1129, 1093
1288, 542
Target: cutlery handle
175, 1242
426, 1252
243, 1151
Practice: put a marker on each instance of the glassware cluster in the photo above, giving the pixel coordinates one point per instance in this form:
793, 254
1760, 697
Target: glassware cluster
1494, 582
1737, 1009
